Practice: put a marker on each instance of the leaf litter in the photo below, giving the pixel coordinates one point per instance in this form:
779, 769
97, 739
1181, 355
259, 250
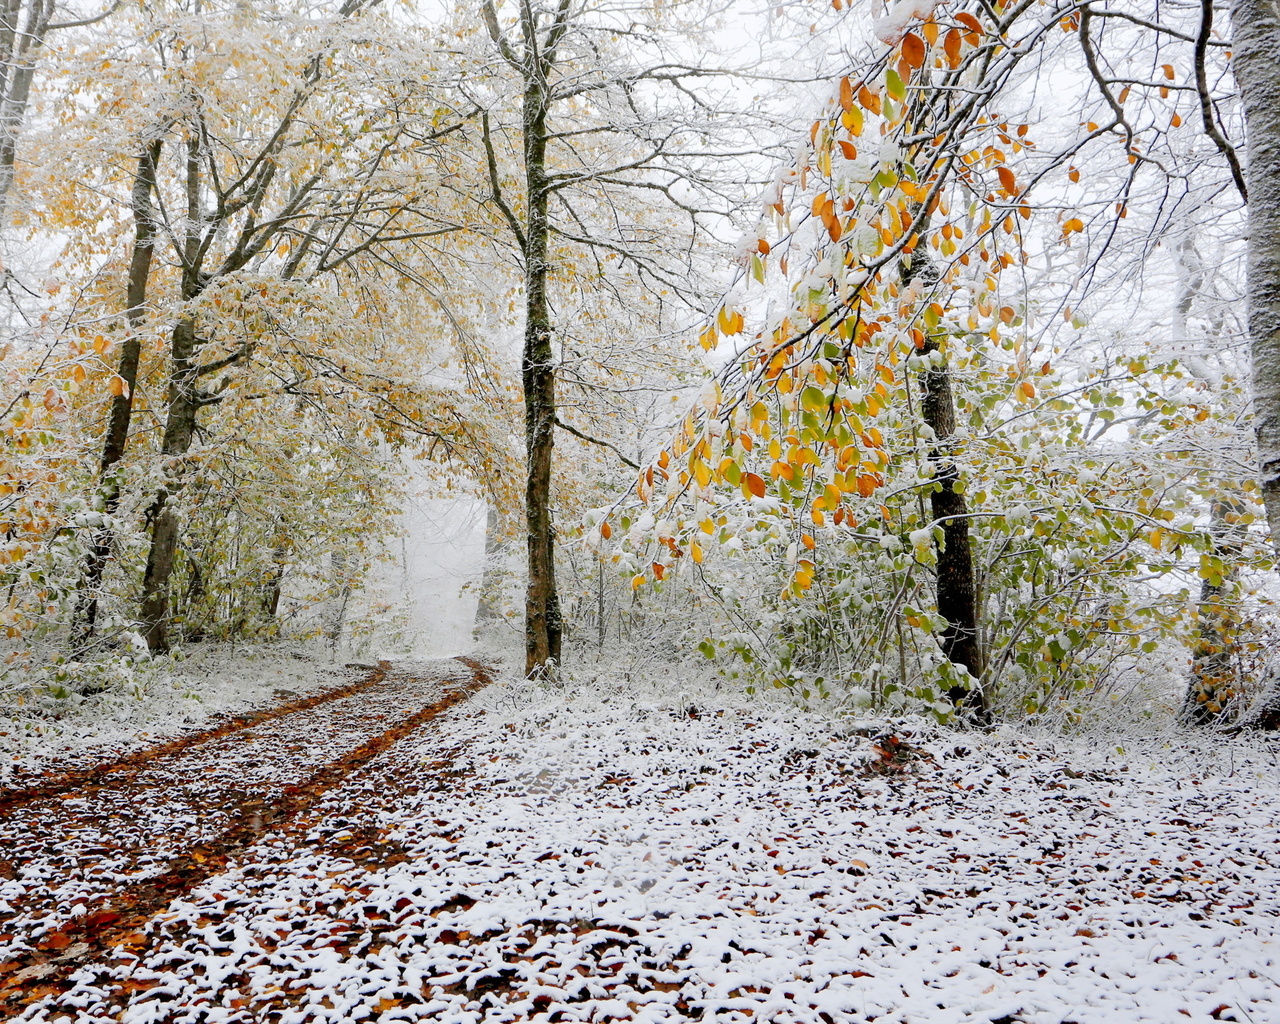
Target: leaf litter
609, 853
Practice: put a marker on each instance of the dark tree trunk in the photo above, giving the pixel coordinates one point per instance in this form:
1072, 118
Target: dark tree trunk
179, 430
542, 601
121, 412
535, 63
956, 590
274, 583
1214, 681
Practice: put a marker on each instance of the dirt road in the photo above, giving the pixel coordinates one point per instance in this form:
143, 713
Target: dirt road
88, 858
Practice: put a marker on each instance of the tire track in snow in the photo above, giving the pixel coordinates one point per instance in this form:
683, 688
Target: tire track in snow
117, 920
72, 781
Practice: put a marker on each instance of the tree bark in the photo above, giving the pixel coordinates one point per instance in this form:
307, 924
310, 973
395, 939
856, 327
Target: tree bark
542, 601
535, 62
956, 590
489, 605
1213, 682
179, 430
121, 412
20, 41
1256, 64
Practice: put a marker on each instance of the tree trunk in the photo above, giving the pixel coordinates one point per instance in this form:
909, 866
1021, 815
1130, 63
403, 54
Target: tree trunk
542, 601
956, 591
273, 586
179, 430
1256, 63
489, 605
20, 41
1213, 682
121, 413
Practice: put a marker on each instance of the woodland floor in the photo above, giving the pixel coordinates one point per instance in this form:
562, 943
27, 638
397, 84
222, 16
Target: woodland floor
422, 845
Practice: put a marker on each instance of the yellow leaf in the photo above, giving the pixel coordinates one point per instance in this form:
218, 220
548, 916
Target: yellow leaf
637, 581
695, 549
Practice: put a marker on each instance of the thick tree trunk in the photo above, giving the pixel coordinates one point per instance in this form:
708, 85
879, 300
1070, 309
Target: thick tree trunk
956, 590
121, 413
542, 600
1256, 63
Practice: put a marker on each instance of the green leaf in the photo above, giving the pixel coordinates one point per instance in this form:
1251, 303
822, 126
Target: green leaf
893, 81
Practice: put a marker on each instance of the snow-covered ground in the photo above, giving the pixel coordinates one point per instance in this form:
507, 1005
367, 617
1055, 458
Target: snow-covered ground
159, 699
657, 852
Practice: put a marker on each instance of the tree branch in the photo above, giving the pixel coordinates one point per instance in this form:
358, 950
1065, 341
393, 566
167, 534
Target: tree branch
595, 440
1211, 128
507, 212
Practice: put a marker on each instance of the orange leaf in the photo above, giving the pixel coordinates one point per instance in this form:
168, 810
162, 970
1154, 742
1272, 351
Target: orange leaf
848, 150
659, 570
606, 531
913, 49
951, 46
969, 21
755, 484
846, 94
1007, 180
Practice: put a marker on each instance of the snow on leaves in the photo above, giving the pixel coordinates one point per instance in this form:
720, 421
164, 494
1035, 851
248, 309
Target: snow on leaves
607, 857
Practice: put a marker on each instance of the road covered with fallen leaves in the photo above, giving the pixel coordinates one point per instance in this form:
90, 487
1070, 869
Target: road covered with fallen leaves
424, 849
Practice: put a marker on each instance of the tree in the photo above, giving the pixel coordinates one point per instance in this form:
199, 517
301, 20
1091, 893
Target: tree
592, 138
921, 161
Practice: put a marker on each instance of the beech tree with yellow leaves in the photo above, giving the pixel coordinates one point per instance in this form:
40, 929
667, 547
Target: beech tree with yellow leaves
896, 382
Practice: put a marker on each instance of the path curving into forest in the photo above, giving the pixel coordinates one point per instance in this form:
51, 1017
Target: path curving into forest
90, 857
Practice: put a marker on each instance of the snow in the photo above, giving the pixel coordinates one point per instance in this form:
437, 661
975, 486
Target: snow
656, 850
160, 698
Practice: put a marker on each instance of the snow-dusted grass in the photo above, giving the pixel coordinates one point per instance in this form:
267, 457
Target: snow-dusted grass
656, 852
144, 700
